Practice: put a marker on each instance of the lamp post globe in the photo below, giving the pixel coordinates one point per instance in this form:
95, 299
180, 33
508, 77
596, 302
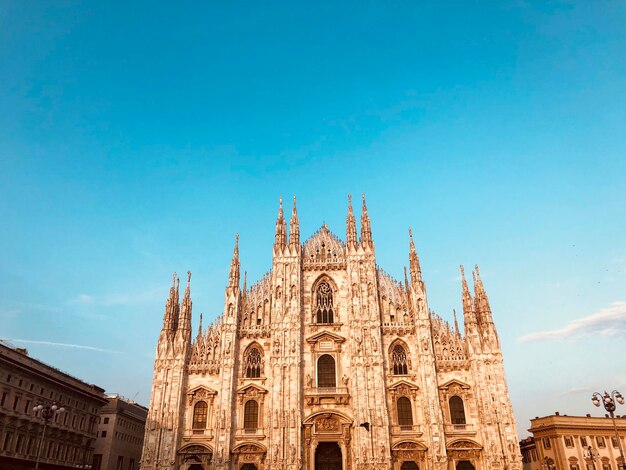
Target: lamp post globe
608, 401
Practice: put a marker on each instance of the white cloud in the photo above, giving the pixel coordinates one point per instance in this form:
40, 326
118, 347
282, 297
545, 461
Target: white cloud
63, 345
610, 321
83, 299
577, 390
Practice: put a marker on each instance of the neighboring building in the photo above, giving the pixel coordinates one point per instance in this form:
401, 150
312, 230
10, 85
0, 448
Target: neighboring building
69, 439
120, 435
562, 442
327, 362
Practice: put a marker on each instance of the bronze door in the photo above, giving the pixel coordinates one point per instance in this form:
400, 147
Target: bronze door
328, 456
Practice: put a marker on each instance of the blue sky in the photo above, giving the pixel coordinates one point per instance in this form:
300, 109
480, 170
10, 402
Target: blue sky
136, 140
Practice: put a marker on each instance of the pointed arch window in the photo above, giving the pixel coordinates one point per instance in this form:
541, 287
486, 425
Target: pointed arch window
457, 410
399, 363
324, 303
326, 376
251, 415
253, 363
200, 415
405, 415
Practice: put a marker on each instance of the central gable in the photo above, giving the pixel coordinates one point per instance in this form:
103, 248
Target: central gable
324, 250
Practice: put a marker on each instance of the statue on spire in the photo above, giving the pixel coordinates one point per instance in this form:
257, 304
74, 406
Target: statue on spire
350, 224
233, 278
294, 226
281, 227
414, 262
366, 229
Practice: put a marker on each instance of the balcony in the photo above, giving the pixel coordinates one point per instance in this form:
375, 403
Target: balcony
460, 429
326, 395
413, 430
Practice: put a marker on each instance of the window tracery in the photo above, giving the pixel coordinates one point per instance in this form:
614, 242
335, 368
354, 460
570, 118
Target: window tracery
253, 363
324, 303
399, 363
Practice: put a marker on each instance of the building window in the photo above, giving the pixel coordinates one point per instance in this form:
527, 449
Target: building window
251, 415
569, 441
324, 304
614, 442
103, 434
7, 441
606, 466
4, 398
457, 410
199, 415
600, 442
405, 415
326, 371
583, 441
131, 464
398, 361
252, 363
120, 463
573, 466
546, 443
105, 421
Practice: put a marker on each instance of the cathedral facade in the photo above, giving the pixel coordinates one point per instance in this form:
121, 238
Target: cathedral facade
328, 363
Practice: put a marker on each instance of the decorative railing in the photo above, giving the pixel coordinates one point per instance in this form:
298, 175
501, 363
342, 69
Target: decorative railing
459, 428
406, 429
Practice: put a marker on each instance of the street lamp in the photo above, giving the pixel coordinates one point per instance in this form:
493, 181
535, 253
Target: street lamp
608, 401
47, 411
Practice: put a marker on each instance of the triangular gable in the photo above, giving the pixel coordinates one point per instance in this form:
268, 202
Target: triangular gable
323, 335
200, 393
403, 383
449, 383
251, 388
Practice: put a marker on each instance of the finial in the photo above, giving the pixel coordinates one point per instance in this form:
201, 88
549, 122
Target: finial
245, 280
280, 203
350, 200
477, 272
410, 233
294, 200
462, 272
363, 197
188, 277
174, 279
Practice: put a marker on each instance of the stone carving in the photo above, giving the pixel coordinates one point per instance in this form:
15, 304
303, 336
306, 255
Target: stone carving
377, 312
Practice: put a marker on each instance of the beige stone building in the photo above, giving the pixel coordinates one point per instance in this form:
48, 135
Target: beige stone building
573, 443
69, 438
329, 363
120, 435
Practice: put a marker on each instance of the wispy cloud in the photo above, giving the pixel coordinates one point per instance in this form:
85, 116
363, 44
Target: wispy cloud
118, 299
577, 390
609, 321
63, 345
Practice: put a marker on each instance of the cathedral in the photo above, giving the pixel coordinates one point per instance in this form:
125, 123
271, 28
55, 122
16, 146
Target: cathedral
329, 363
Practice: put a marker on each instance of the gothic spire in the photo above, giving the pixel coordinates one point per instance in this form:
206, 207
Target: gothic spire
414, 262
170, 318
245, 282
281, 227
185, 316
350, 224
200, 326
467, 297
294, 226
366, 229
482, 301
456, 324
233, 278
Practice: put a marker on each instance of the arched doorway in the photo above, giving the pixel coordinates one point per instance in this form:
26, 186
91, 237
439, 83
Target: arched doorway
195, 466
248, 466
464, 465
328, 456
409, 466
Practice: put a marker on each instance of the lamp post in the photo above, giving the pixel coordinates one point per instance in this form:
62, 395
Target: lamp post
47, 412
608, 401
